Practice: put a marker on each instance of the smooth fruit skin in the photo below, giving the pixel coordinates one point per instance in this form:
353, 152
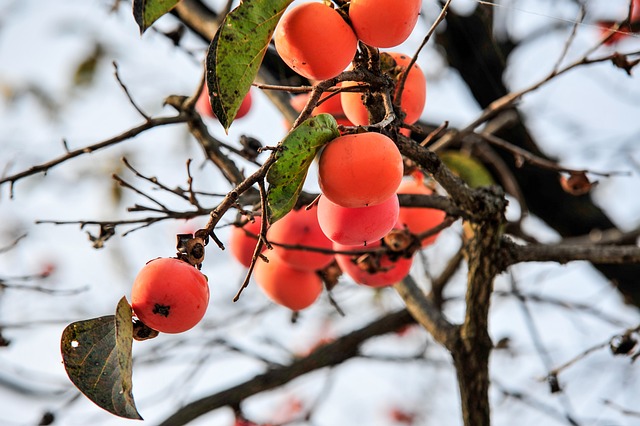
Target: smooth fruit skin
360, 170
169, 295
418, 219
314, 41
414, 95
357, 226
203, 105
301, 227
390, 272
242, 245
287, 286
384, 23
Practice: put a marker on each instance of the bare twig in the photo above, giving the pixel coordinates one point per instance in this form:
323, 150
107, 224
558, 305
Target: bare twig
523, 156
126, 91
414, 58
44, 167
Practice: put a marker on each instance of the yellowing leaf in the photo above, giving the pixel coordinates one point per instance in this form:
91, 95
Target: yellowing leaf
470, 170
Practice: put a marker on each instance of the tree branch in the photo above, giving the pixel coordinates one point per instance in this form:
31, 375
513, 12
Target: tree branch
327, 355
563, 253
44, 167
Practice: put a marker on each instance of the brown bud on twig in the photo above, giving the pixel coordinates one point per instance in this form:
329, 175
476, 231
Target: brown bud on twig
622, 345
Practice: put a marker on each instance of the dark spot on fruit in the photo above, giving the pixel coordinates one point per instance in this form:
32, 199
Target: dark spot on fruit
161, 310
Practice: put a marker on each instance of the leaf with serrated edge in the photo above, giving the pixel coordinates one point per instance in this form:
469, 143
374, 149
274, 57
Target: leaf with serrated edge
470, 170
236, 52
97, 357
293, 158
146, 12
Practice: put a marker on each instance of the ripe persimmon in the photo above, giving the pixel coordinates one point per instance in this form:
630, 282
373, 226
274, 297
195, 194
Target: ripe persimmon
414, 93
357, 225
359, 170
329, 103
300, 227
314, 41
285, 285
374, 270
169, 295
243, 240
384, 23
419, 219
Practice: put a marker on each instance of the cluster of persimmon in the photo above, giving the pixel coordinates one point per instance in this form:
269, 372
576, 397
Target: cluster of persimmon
357, 220
319, 42
360, 176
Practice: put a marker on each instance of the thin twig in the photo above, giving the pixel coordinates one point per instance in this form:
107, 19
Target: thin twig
414, 58
44, 167
524, 156
126, 91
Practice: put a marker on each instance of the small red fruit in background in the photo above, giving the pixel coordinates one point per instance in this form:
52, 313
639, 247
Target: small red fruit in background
419, 219
360, 170
414, 94
285, 285
314, 41
370, 270
607, 27
384, 23
203, 104
170, 295
301, 227
243, 240
329, 103
357, 225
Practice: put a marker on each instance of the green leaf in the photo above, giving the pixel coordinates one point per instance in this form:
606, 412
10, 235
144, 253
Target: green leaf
146, 12
97, 357
470, 170
236, 52
293, 158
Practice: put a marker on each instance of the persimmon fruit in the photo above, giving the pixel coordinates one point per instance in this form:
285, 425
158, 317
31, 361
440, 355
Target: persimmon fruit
286, 285
359, 170
419, 219
300, 227
329, 103
357, 225
203, 104
314, 41
379, 273
243, 240
414, 93
170, 295
384, 23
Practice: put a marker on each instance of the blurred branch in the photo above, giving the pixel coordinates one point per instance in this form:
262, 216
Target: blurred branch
44, 167
330, 354
563, 253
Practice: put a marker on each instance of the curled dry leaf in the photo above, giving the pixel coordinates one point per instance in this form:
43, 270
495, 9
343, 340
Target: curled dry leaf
576, 184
